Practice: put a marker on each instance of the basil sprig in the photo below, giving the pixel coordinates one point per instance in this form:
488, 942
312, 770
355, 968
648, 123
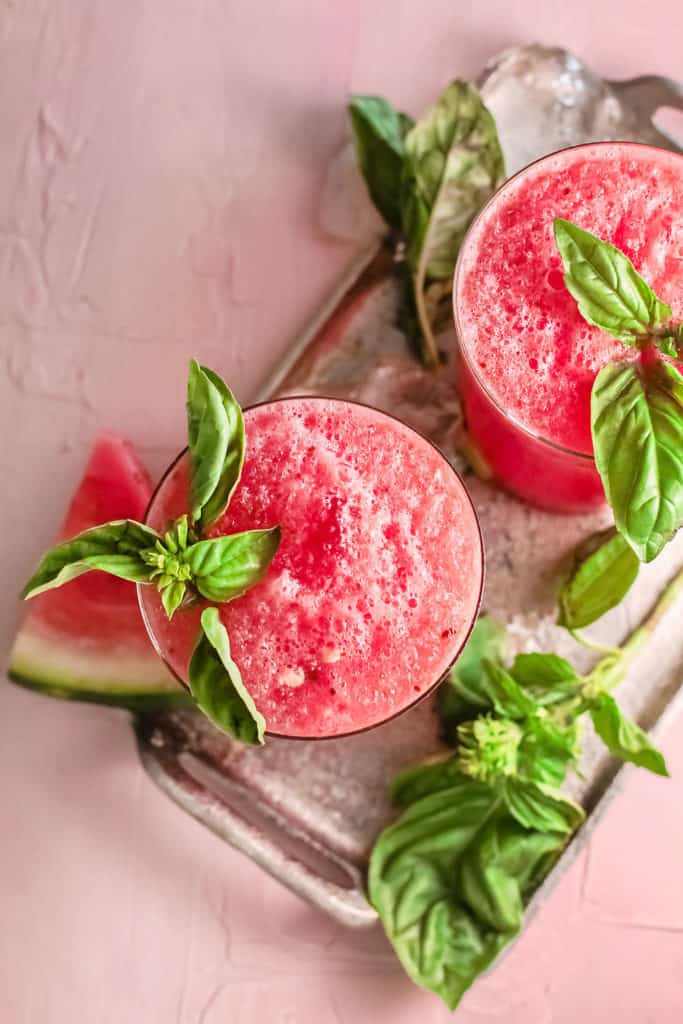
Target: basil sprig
182, 564
636, 422
483, 826
428, 180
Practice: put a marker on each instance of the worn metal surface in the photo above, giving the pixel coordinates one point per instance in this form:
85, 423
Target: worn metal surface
308, 812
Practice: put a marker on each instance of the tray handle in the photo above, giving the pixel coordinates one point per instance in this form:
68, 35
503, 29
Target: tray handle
328, 881
646, 95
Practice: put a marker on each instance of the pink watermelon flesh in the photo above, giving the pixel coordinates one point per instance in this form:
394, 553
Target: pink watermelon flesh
87, 640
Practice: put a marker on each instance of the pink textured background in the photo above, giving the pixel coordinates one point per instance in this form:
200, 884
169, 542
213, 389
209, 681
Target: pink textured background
162, 162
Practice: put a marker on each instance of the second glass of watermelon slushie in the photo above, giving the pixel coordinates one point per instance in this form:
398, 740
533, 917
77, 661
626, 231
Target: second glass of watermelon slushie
529, 358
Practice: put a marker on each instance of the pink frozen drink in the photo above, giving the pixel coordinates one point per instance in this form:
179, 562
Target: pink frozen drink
377, 580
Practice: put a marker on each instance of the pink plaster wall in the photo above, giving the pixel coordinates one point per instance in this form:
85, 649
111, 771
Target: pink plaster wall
160, 175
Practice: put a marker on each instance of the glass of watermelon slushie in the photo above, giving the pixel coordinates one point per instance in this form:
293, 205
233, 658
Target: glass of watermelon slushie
377, 580
528, 358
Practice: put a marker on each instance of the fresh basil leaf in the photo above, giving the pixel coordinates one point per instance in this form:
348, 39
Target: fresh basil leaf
207, 434
113, 547
233, 463
172, 597
463, 693
506, 695
414, 886
610, 292
217, 687
503, 866
216, 441
225, 567
548, 678
637, 422
542, 807
453, 162
448, 880
378, 132
624, 738
603, 573
424, 779
547, 750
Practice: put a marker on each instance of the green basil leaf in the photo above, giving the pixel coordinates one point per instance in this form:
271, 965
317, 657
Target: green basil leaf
207, 434
548, 678
448, 880
542, 807
215, 429
172, 597
637, 422
603, 573
624, 738
217, 687
463, 694
413, 884
503, 866
424, 779
453, 163
233, 462
547, 750
610, 292
225, 567
113, 547
506, 695
378, 132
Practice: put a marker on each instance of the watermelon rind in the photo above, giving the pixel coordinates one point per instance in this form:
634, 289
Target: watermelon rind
57, 667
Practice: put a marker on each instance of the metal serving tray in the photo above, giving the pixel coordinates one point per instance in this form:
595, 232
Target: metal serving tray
308, 812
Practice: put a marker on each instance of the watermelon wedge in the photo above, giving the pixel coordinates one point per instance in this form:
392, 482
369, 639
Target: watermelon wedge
87, 641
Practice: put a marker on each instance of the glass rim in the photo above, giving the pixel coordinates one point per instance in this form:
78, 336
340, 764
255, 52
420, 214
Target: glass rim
269, 734
587, 457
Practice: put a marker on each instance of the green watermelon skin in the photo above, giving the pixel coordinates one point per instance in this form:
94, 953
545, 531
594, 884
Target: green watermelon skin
98, 689
87, 641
